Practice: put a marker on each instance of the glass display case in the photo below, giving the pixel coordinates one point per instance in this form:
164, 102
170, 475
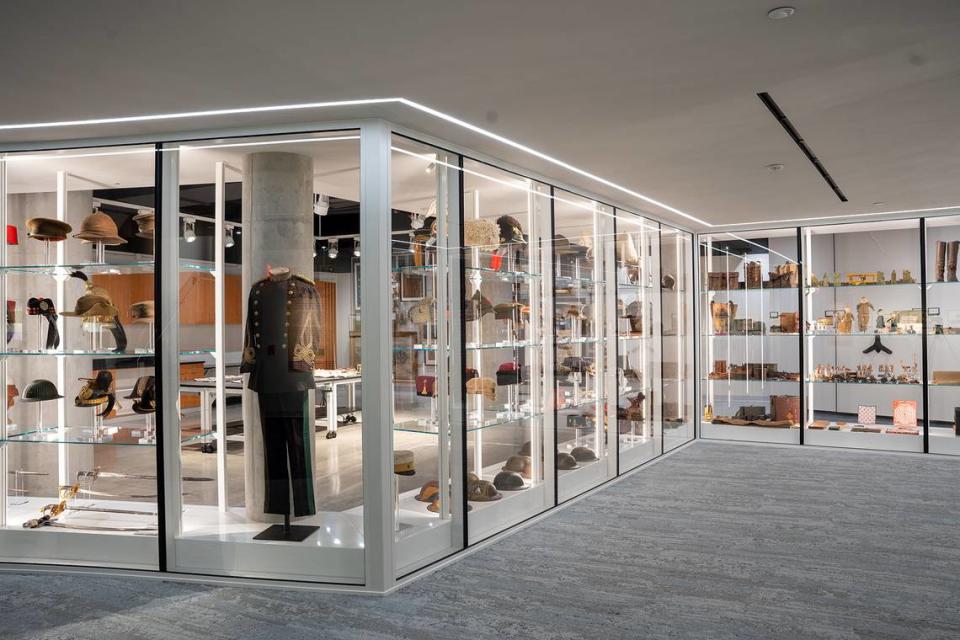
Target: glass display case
863, 314
78, 443
943, 333
750, 328
270, 412
582, 246
677, 337
505, 221
638, 369
427, 389
320, 355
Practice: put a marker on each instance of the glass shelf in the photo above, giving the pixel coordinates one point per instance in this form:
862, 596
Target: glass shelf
501, 274
751, 380
190, 265
562, 341
633, 337
628, 285
146, 353
751, 335
470, 346
862, 286
855, 334
198, 437
882, 384
581, 281
587, 402
757, 289
197, 352
414, 426
123, 436
141, 266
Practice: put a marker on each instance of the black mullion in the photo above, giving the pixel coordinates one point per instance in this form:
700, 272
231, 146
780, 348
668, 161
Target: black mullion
553, 336
800, 330
158, 351
923, 344
463, 355
695, 331
616, 349
663, 395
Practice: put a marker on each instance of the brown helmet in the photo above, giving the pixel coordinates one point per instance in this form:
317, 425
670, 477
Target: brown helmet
482, 491
566, 462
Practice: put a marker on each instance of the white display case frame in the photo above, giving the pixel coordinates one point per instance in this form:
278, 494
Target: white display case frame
377, 567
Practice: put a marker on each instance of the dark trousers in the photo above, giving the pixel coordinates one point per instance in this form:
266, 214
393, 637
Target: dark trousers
287, 427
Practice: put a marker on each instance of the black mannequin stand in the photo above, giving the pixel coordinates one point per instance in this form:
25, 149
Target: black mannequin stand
286, 532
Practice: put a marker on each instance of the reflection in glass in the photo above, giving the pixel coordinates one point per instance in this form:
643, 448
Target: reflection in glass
750, 328
863, 350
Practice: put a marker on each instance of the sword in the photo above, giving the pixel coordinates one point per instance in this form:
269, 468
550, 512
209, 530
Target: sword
47, 521
128, 512
135, 476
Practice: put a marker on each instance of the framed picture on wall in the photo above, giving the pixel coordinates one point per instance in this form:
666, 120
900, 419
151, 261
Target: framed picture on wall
412, 286
355, 270
404, 357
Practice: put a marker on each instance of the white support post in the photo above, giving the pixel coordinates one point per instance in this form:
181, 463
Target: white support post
455, 409
219, 327
443, 344
605, 248
376, 356
4, 490
62, 449
549, 383
169, 352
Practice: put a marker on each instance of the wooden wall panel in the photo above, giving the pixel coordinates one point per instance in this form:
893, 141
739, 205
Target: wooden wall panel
196, 295
328, 325
125, 289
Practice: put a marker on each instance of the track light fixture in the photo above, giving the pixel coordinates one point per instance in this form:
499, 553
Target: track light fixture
189, 230
228, 239
321, 204
334, 249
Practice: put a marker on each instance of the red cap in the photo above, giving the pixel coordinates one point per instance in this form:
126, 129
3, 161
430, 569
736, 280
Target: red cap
12, 235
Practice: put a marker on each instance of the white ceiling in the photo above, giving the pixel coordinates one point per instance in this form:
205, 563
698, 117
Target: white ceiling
655, 95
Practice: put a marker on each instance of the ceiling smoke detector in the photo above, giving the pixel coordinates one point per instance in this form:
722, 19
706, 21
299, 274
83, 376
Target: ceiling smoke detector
781, 13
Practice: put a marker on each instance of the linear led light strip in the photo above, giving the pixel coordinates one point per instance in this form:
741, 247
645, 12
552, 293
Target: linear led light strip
521, 185
184, 147
350, 103
768, 249
443, 116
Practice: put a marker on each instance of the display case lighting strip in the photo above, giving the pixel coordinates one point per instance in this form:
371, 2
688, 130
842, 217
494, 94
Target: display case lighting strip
361, 102
436, 114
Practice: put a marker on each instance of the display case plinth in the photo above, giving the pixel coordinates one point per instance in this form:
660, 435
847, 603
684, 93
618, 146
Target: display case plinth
749, 433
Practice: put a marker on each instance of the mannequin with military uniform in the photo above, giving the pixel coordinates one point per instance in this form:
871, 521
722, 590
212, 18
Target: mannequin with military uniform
280, 346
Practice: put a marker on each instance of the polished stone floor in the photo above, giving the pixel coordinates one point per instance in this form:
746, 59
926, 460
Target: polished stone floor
716, 541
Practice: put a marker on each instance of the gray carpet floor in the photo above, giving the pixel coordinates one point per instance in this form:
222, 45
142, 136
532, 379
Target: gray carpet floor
717, 541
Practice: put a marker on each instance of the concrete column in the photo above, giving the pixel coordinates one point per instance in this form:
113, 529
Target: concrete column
278, 232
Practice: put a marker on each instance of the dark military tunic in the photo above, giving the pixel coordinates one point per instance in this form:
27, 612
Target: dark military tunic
282, 338
281, 346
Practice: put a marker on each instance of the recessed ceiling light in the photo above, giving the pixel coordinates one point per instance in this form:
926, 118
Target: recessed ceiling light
775, 167
780, 13
879, 203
